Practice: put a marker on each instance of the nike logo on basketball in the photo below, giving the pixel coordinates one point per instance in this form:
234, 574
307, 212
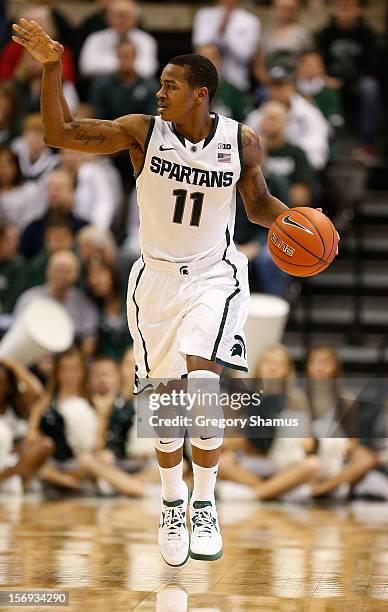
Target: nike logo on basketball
288, 221
163, 148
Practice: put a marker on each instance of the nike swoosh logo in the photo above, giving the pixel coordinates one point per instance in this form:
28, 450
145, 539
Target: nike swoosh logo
289, 221
211, 437
170, 442
163, 148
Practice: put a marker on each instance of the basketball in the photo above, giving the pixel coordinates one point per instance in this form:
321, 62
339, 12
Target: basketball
302, 241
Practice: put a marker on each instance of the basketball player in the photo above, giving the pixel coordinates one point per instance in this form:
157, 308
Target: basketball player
188, 293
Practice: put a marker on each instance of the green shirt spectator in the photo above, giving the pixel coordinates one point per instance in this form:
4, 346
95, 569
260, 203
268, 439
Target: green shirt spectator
125, 92
290, 162
330, 104
57, 237
232, 102
314, 84
283, 159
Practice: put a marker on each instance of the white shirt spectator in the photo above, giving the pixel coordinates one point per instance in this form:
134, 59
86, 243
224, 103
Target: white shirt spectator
306, 128
291, 40
22, 204
98, 193
238, 44
99, 53
38, 168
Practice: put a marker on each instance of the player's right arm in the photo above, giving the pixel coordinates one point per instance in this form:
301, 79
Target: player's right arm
261, 207
61, 130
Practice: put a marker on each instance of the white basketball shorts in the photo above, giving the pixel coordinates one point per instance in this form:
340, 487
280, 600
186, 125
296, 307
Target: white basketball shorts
197, 309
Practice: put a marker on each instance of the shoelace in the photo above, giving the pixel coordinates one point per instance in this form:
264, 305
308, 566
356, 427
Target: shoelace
173, 519
203, 522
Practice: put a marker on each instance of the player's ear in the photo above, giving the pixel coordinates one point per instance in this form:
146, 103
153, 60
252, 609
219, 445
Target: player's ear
202, 94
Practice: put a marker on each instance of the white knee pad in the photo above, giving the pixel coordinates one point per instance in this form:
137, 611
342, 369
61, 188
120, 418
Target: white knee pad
206, 437
207, 444
168, 445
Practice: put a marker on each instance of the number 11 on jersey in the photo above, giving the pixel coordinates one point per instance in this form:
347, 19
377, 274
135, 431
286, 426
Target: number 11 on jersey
181, 196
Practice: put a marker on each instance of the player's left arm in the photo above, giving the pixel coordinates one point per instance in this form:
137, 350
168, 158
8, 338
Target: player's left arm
261, 207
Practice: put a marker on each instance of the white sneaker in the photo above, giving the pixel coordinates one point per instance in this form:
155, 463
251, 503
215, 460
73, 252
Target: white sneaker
206, 540
173, 536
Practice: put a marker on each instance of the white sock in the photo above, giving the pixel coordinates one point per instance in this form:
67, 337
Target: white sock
204, 483
173, 485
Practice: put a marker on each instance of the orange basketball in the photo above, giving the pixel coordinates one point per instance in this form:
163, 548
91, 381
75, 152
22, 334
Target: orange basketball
302, 241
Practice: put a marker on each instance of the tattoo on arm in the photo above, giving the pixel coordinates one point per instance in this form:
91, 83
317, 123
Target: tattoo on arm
253, 152
249, 140
83, 135
90, 123
86, 138
259, 186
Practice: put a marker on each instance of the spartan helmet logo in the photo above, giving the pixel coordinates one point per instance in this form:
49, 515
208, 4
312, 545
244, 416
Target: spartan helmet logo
184, 270
239, 348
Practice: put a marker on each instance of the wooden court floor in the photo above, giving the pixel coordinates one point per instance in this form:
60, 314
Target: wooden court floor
276, 557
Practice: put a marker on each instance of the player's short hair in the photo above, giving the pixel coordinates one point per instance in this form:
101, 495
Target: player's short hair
199, 72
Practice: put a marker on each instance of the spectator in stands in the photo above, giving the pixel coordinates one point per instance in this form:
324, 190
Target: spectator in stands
96, 243
306, 126
60, 198
93, 23
124, 92
286, 38
20, 201
36, 159
105, 287
77, 430
58, 236
279, 459
314, 85
20, 458
12, 268
229, 99
343, 460
236, 32
12, 52
98, 54
115, 420
284, 159
27, 80
349, 48
64, 415
62, 275
9, 113
97, 197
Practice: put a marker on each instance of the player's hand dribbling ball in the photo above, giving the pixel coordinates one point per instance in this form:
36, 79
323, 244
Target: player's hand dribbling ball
302, 241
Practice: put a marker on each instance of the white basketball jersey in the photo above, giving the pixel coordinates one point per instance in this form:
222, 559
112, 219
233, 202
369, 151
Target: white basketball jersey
187, 192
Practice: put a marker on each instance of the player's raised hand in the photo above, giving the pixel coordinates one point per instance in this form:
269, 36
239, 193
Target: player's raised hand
30, 35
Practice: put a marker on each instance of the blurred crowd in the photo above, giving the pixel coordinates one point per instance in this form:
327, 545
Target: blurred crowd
69, 221
69, 426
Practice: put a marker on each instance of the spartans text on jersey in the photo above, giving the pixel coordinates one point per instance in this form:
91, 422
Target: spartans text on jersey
192, 176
